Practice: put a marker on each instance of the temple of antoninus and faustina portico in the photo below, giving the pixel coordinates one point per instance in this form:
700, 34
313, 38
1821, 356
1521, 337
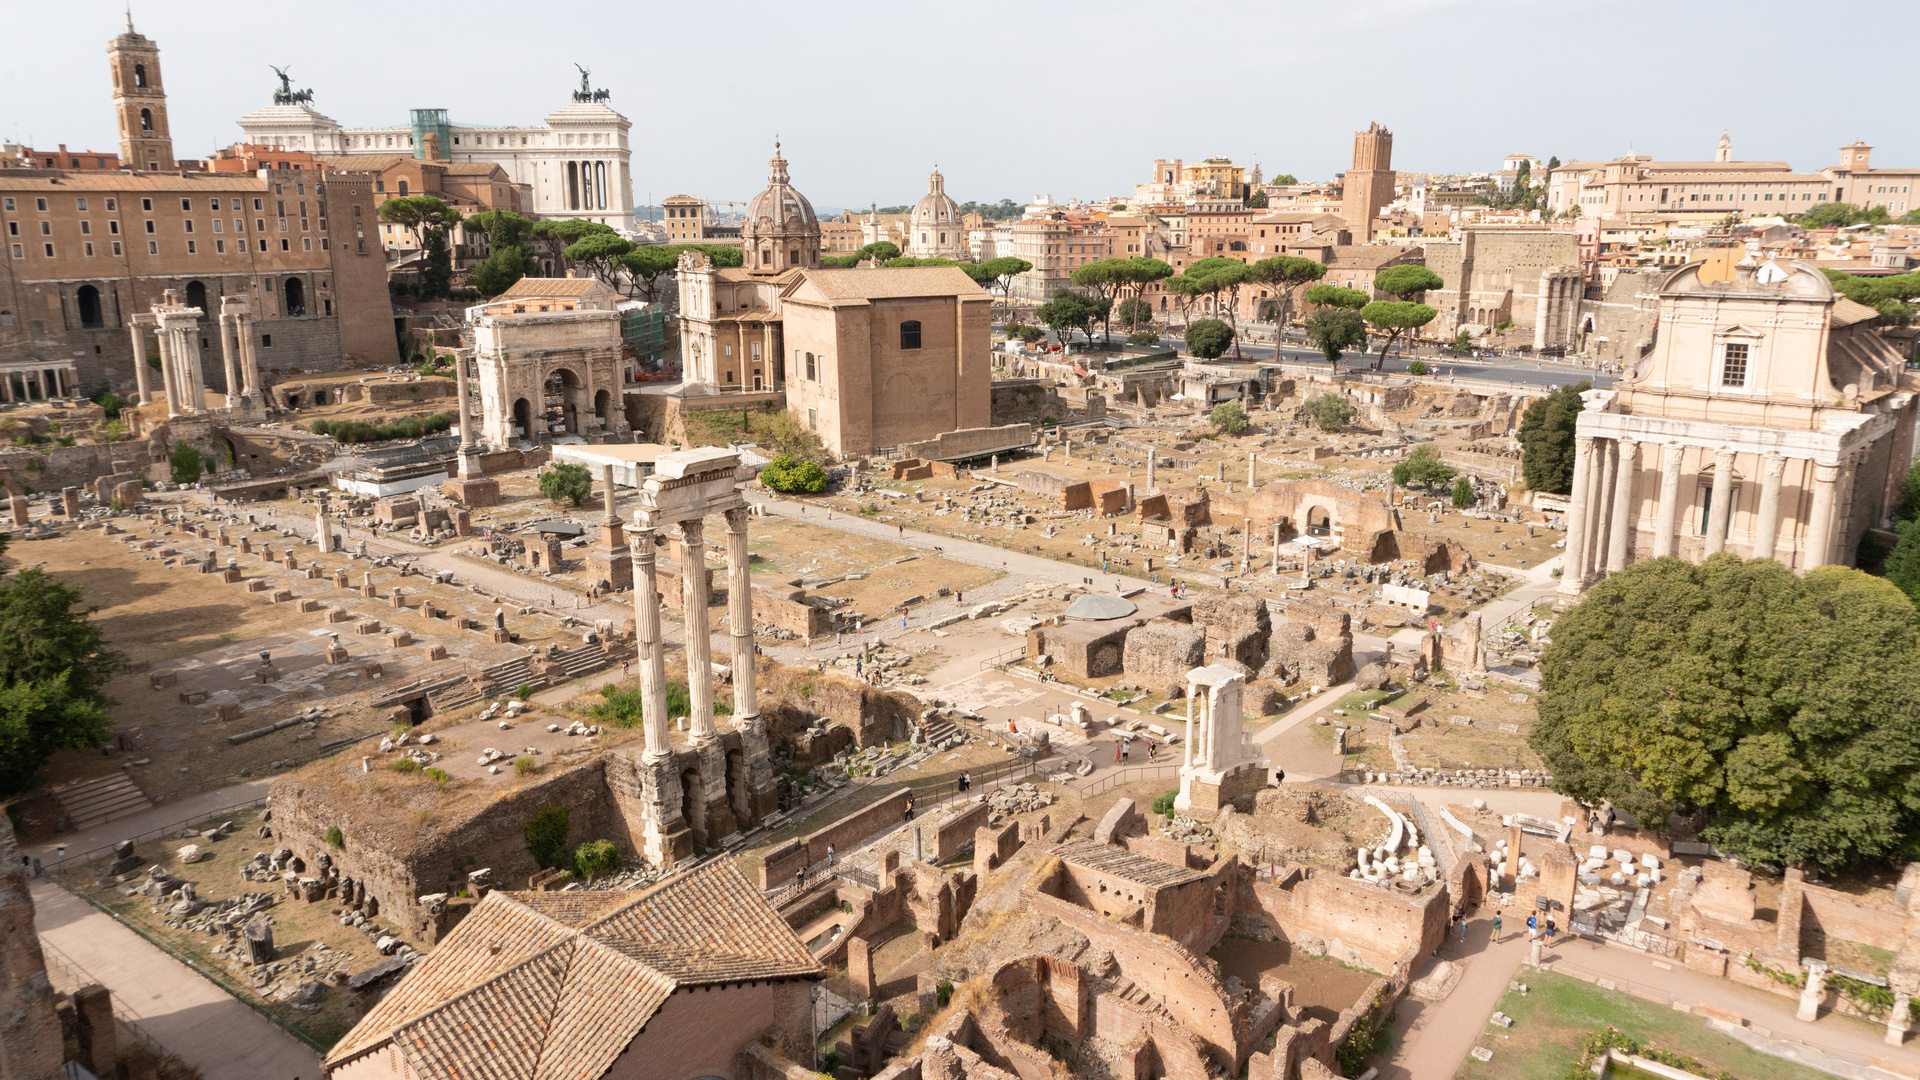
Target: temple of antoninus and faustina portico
1769, 420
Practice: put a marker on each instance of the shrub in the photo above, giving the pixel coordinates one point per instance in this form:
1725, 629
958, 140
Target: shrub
1209, 338
622, 707
1330, 412
404, 765
1143, 337
945, 990
596, 857
186, 463
1229, 417
439, 777
567, 482
1024, 332
334, 837
1164, 804
318, 427
112, 404
1462, 492
525, 766
1424, 467
1417, 367
547, 835
785, 475
523, 691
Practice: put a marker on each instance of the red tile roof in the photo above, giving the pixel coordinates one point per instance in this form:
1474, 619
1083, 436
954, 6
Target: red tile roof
532, 986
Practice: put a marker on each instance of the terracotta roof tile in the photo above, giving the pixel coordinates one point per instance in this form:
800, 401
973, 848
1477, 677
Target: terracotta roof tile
542, 286
554, 986
900, 281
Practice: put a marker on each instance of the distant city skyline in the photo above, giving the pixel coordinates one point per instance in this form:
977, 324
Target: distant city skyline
863, 118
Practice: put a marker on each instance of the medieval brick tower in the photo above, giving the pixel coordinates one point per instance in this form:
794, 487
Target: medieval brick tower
140, 103
1369, 184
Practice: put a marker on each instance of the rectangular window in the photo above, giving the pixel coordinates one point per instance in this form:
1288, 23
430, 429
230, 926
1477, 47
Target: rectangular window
146, 204
113, 227
46, 228
149, 226
1733, 368
79, 204
8, 203
259, 224
49, 248
40, 205
192, 248
813, 420
189, 224
910, 334
87, 249
220, 247
116, 247
266, 341
306, 243
285, 244
235, 202
263, 243
19, 252
153, 247
113, 204
256, 204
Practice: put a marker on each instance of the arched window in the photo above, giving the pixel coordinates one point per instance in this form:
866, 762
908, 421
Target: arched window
910, 334
197, 295
296, 297
140, 75
88, 298
810, 368
146, 119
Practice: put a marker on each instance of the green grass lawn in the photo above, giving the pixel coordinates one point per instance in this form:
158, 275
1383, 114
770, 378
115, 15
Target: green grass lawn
1549, 1022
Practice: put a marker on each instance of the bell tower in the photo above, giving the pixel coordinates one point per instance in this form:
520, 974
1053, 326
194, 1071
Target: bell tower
140, 103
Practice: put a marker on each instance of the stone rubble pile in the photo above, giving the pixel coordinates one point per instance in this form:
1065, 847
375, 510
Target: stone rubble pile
1467, 778
1013, 799
1188, 831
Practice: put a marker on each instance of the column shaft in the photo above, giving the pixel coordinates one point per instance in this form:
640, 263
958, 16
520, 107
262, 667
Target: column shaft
1820, 518
1571, 575
694, 595
139, 361
228, 361
1719, 514
746, 704
653, 668
1766, 526
1664, 524
1620, 536
169, 371
1605, 452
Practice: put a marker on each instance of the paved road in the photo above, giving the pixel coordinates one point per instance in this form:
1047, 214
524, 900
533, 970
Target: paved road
177, 1006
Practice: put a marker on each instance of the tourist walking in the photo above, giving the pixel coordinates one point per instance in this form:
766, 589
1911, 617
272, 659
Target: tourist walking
1551, 930
1496, 928
829, 856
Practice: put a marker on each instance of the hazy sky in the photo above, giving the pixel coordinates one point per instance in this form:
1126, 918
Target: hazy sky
1011, 99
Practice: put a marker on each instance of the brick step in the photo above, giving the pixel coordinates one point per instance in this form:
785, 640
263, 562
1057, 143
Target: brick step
96, 802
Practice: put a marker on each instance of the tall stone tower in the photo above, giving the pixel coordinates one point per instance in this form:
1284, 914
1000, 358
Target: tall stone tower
1724, 151
1369, 184
140, 103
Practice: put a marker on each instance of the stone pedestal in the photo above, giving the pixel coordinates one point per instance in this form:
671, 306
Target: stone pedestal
1222, 764
18, 505
70, 501
1813, 992
474, 493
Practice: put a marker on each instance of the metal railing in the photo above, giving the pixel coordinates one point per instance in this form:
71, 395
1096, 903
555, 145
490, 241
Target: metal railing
1096, 785
1013, 655
152, 834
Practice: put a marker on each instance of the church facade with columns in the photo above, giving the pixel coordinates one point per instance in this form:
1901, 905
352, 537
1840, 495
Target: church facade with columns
1769, 420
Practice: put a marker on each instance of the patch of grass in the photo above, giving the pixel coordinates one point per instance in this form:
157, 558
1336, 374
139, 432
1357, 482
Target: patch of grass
228, 638
404, 765
525, 766
1551, 1021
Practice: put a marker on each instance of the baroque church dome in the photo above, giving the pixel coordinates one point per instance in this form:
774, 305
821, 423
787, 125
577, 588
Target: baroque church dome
780, 219
934, 228
936, 207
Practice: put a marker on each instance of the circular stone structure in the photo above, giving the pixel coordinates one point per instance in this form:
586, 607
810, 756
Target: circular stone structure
1096, 608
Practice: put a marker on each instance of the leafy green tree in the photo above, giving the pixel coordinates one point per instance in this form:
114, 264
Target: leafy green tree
568, 231
1906, 506
596, 857
1285, 179
1330, 412
1143, 337
1396, 317
1462, 493
1902, 565
1552, 163
1546, 439
879, 251
1778, 706
1840, 214
509, 256
186, 463
436, 276
568, 483
1338, 296
419, 215
1417, 367
787, 476
1407, 281
1134, 313
54, 665
646, 265
1334, 330
1284, 274
722, 256
503, 267
839, 262
1003, 270
1424, 466
599, 254
1209, 338
1222, 279
1024, 332
1257, 200
1069, 311
1228, 418
1187, 291
1463, 342
1887, 295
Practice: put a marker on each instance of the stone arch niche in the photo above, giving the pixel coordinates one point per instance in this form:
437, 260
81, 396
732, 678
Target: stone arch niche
1318, 521
296, 295
565, 394
523, 417
197, 296
87, 298
602, 404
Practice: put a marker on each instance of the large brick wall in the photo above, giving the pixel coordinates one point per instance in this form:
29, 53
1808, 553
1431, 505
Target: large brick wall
1378, 925
777, 866
699, 1030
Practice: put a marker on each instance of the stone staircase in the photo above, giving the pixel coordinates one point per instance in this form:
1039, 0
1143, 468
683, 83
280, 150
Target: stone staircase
96, 802
939, 729
517, 672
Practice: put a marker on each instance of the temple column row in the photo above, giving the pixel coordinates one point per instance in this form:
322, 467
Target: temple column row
1601, 526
